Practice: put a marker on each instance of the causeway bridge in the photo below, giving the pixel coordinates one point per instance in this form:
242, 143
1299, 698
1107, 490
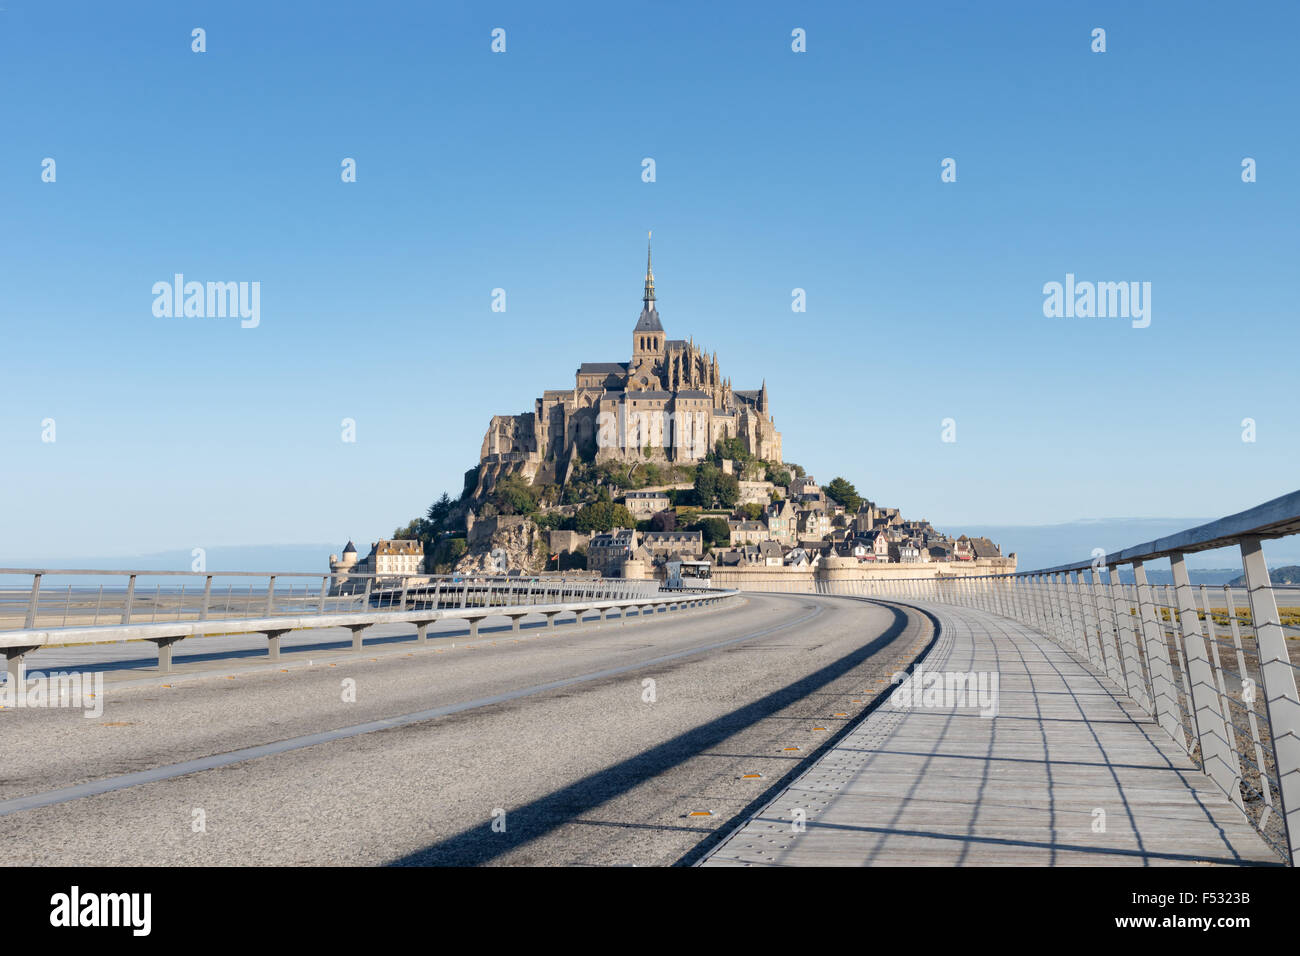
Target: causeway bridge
1088, 714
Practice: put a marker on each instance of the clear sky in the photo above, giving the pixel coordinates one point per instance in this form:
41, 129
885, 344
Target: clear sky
522, 170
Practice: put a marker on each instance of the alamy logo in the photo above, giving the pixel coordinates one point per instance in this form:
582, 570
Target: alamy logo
947, 690
1102, 300
103, 909
211, 300
58, 689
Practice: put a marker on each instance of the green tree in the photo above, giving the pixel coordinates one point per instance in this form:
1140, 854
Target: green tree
732, 448
552, 521
706, 483
514, 496
728, 490
752, 511
778, 476
439, 514
414, 530
842, 490
715, 531
445, 554
602, 516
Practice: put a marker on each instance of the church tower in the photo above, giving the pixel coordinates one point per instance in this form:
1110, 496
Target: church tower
647, 337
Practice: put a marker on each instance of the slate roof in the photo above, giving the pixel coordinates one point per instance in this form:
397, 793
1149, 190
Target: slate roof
648, 322
601, 368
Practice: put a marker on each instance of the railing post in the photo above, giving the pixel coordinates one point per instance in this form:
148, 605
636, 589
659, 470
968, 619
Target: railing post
1164, 691
130, 600
270, 595
1216, 752
1106, 629
1129, 657
1282, 704
1038, 608
34, 601
1212, 642
1051, 625
1080, 622
1053, 621
1052, 602
324, 591
207, 597
1080, 612
1045, 608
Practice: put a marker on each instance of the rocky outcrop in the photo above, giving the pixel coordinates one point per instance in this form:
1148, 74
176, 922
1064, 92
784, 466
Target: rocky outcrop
501, 545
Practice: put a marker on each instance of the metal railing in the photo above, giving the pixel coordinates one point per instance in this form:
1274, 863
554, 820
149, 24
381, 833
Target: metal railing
42, 598
1211, 665
90, 609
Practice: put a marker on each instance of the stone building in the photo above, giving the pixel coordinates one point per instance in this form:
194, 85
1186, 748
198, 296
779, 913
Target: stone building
669, 403
607, 552
662, 544
387, 558
747, 532
643, 504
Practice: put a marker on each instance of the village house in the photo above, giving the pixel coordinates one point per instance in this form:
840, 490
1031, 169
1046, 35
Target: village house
814, 523
746, 532
643, 504
665, 543
607, 551
388, 558
782, 522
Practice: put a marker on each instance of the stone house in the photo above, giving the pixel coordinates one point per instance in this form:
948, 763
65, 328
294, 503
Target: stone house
644, 504
783, 523
608, 550
664, 543
746, 532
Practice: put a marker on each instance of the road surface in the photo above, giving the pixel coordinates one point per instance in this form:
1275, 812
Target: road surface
545, 749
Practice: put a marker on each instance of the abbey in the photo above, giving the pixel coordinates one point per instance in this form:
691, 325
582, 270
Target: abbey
669, 403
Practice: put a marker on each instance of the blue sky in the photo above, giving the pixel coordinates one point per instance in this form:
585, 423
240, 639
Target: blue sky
522, 170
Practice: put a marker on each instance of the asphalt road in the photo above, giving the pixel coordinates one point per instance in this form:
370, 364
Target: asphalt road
549, 749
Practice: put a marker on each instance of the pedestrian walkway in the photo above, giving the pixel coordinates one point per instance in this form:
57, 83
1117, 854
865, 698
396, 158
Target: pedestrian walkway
1067, 773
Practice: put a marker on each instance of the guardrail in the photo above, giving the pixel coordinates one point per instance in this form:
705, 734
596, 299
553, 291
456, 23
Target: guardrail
34, 615
1194, 658
33, 598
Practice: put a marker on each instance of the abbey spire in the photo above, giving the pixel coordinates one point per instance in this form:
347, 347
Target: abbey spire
649, 320
649, 276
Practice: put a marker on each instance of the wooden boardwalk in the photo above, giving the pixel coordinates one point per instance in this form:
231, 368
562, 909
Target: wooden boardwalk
1068, 773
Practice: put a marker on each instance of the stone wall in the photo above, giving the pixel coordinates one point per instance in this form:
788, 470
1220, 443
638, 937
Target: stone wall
834, 573
562, 541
